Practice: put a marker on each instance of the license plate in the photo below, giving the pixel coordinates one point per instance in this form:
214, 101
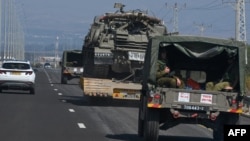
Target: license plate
126, 94
136, 56
194, 107
15, 73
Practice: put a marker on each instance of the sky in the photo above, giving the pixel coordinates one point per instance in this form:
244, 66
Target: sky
74, 17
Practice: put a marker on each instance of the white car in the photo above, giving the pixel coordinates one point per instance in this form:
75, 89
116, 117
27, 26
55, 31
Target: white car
17, 75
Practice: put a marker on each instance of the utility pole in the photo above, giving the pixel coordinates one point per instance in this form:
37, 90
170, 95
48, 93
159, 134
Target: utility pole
240, 24
56, 50
1, 30
176, 10
240, 21
202, 28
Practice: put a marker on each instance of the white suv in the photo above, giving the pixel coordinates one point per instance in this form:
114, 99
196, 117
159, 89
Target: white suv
17, 75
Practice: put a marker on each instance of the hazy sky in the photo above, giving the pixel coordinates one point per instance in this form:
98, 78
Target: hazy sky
216, 17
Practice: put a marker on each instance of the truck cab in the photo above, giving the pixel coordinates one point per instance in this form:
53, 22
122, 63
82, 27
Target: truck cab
199, 60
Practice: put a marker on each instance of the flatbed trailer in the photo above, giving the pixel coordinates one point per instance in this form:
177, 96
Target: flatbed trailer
96, 87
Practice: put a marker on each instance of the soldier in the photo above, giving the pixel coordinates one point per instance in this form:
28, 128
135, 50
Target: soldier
163, 76
229, 80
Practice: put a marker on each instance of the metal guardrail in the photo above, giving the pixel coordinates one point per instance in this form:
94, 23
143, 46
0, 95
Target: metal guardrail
246, 106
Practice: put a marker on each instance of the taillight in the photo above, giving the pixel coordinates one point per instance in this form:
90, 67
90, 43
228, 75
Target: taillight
28, 72
2, 72
157, 96
154, 97
235, 106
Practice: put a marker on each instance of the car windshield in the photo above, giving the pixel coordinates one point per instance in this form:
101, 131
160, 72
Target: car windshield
22, 66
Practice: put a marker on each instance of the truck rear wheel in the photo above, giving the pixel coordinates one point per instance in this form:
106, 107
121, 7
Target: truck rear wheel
225, 118
151, 131
141, 115
218, 132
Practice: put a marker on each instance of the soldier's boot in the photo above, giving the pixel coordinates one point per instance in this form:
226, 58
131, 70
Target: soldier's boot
221, 86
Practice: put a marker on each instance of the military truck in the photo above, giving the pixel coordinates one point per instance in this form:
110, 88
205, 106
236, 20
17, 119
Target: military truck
114, 50
202, 59
71, 65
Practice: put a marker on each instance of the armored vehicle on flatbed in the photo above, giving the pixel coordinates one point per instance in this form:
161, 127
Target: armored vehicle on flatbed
114, 48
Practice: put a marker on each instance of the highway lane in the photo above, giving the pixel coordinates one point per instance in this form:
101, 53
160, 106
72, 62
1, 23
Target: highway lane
59, 112
41, 117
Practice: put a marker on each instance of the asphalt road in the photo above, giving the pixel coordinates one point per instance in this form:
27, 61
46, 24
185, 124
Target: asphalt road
59, 112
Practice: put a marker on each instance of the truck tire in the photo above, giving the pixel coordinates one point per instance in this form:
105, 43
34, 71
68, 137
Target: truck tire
224, 118
141, 115
151, 131
233, 119
64, 79
218, 133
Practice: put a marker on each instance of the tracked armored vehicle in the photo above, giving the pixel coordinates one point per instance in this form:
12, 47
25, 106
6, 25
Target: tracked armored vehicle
115, 46
116, 42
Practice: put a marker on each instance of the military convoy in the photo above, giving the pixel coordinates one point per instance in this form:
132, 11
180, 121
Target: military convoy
119, 58
201, 59
113, 52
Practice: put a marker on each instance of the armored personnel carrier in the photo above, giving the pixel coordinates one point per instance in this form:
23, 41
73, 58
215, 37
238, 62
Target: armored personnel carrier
115, 45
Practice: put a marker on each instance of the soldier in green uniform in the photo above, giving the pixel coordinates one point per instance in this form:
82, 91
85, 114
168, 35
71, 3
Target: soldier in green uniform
163, 76
229, 80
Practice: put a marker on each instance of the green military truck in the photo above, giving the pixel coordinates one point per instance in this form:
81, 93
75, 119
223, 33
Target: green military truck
203, 60
71, 65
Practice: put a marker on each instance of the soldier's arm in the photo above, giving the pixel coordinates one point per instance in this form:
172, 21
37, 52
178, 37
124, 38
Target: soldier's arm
160, 72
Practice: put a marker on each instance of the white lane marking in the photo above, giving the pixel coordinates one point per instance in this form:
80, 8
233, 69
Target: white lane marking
59, 93
55, 89
49, 79
64, 101
81, 125
71, 110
